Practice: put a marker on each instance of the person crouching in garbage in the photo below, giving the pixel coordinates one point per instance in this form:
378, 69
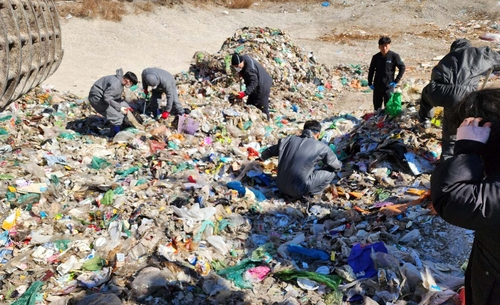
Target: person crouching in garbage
105, 97
465, 190
306, 166
162, 82
257, 81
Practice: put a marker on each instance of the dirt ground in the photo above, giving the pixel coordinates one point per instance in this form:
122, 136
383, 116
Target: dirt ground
345, 32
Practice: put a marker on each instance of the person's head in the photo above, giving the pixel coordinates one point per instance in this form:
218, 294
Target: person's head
384, 45
483, 104
314, 127
460, 44
129, 79
237, 62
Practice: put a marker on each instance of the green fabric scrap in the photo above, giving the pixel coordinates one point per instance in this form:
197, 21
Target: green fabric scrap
30, 295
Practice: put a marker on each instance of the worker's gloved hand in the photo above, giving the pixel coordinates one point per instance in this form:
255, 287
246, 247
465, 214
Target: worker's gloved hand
393, 84
470, 130
372, 87
241, 95
165, 114
124, 110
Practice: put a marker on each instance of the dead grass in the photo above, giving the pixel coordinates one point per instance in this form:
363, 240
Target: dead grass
114, 10
240, 3
105, 9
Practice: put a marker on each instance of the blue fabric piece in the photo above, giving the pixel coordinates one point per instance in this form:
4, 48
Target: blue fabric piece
361, 261
236, 185
258, 194
116, 129
313, 253
263, 178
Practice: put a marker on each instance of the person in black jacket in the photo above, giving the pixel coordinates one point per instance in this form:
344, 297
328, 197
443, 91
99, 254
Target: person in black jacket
456, 74
305, 165
383, 67
257, 81
465, 191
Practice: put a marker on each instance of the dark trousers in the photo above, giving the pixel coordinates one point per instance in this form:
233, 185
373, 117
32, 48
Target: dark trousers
432, 97
261, 101
381, 95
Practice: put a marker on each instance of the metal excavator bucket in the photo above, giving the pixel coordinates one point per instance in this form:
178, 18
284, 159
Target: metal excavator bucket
30, 46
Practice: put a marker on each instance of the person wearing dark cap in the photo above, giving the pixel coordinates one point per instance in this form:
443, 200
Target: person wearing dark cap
105, 97
456, 74
381, 73
257, 81
161, 82
306, 166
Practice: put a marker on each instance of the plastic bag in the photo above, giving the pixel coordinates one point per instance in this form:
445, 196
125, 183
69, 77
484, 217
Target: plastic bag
331, 281
393, 107
99, 163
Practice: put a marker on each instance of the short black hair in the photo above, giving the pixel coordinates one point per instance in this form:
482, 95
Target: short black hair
235, 59
313, 126
384, 40
131, 77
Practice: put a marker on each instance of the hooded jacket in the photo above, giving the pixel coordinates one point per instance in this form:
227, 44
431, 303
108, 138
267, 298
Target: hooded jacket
459, 72
163, 82
257, 81
107, 91
463, 196
298, 159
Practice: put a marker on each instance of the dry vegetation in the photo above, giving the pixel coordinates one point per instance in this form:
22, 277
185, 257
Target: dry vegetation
115, 9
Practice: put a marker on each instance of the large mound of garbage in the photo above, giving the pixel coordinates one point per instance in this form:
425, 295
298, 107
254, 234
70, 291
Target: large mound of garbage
186, 215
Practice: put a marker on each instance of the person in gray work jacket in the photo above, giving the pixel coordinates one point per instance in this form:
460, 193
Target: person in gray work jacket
161, 82
105, 97
305, 165
456, 74
257, 81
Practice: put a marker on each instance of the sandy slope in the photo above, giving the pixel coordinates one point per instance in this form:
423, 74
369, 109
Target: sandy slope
168, 38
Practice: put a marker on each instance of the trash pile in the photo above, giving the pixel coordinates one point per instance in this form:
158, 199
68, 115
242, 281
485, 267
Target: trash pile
185, 215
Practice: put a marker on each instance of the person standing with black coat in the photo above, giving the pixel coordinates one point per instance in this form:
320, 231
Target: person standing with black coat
457, 74
465, 191
257, 81
381, 73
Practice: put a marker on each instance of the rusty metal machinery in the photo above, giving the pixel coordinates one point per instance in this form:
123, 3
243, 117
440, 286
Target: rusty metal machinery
30, 46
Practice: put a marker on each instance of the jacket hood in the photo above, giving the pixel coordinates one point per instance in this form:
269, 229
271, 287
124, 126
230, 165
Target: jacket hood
307, 133
460, 44
152, 80
119, 73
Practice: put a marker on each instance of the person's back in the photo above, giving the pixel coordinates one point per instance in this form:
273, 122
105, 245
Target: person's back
456, 75
109, 86
463, 66
305, 165
253, 66
164, 82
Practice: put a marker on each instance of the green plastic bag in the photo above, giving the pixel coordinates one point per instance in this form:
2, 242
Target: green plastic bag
94, 264
108, 198
393, 107
331, 281
99, 163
